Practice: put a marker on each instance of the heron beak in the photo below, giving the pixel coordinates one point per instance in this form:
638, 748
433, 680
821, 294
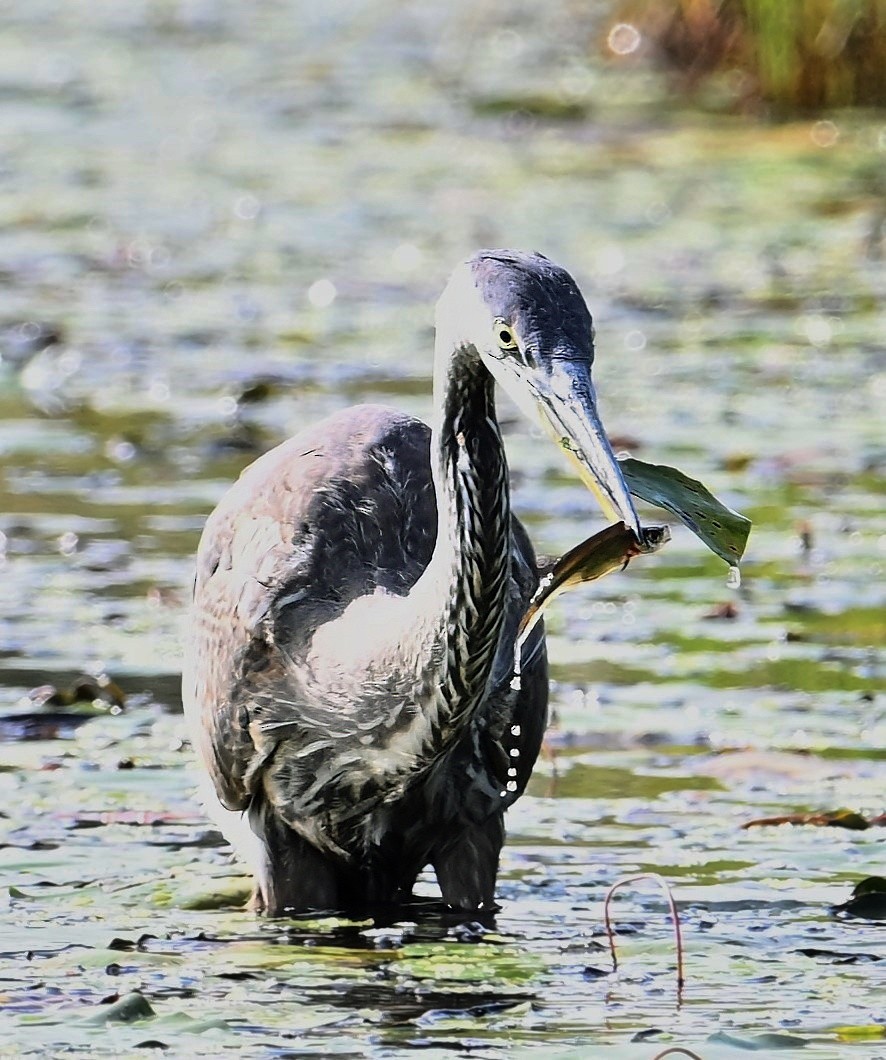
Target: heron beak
568, 408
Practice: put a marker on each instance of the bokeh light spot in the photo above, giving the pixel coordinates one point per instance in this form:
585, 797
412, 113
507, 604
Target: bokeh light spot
635, 341
322, 293
824, 134
623, 39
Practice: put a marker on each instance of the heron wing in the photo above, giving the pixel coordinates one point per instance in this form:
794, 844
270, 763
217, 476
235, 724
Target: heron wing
343, 509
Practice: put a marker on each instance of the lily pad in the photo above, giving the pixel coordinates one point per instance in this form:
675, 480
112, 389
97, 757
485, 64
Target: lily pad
457, 963
226, 893
723, 530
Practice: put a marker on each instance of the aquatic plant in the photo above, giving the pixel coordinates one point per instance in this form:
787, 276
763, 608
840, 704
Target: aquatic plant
790, 55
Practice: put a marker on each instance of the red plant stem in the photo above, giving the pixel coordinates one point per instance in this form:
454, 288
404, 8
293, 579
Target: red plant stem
607, 919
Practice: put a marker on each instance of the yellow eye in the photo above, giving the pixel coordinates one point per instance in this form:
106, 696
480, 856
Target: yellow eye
504, 336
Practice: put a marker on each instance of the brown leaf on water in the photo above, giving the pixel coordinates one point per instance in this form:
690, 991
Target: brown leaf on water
727, 611
737, 461
824, 819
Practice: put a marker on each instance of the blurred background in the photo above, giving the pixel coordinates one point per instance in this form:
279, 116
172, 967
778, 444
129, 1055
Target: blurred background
220, 221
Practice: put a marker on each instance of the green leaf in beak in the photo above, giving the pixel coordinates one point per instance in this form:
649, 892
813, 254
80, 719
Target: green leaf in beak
724, 531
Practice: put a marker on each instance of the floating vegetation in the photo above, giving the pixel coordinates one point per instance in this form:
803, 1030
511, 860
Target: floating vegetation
794, 55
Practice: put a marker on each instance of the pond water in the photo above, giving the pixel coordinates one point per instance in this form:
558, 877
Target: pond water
219, 222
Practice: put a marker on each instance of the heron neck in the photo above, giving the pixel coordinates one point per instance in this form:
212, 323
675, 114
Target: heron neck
471, 562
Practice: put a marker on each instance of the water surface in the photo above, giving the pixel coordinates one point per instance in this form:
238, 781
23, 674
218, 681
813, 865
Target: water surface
218, 223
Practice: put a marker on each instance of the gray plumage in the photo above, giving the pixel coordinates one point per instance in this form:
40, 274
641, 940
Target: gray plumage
349, 673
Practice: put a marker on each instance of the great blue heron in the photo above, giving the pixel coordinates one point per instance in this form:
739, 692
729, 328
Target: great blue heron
350, 673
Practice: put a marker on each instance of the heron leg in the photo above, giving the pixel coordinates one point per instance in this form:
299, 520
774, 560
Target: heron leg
292, 875
466, 865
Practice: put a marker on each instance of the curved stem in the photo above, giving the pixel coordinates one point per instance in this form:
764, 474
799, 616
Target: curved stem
672, 905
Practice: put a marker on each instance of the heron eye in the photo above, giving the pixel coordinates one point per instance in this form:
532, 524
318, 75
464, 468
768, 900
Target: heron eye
504, 336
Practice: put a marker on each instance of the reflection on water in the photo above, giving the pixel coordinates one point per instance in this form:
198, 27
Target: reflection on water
217, 227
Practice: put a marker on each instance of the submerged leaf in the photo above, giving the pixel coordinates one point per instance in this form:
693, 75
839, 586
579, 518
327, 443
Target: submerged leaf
868, 901
864, 1032
869, 885
723, 530
127, 1009
760, 1043
841, 956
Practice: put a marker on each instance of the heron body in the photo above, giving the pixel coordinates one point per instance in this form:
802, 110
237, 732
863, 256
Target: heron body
350, 670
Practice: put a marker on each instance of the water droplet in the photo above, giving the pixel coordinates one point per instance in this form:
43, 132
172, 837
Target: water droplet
733, 578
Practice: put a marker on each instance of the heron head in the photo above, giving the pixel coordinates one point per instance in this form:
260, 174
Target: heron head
532, 330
